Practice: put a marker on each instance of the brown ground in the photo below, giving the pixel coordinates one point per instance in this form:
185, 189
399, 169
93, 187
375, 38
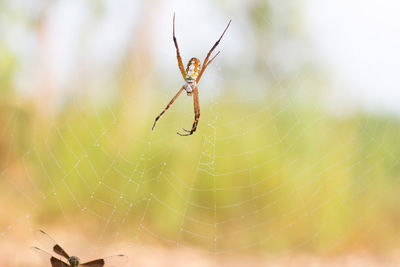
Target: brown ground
159, 256
16, 242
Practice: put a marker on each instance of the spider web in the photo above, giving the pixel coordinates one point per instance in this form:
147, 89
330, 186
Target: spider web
258, 175
203, 193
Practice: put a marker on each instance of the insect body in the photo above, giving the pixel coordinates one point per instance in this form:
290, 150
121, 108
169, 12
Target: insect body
192, 76
73, 261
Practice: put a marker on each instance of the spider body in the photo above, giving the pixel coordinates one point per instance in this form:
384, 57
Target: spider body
192, 69
189, 87
192, 72
192, 76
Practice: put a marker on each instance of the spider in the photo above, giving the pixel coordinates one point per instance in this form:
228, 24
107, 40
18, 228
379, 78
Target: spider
192, 77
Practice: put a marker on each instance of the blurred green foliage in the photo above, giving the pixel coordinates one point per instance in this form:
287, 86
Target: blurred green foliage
262, 174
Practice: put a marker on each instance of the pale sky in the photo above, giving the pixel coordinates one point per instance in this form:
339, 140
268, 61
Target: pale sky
359, 41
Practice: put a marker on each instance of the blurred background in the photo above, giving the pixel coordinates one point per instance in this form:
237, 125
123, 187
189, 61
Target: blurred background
295, 161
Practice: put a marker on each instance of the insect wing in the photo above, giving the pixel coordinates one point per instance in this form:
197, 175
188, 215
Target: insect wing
49, 244
48, 258
95, 263
57, 263
112, 261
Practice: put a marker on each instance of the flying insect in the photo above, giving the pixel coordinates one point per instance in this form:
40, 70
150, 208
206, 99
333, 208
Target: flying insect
70, 261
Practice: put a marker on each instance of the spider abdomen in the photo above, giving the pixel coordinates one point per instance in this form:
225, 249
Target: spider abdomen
192, 69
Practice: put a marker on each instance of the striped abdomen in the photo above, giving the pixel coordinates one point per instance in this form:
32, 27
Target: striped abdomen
192, 69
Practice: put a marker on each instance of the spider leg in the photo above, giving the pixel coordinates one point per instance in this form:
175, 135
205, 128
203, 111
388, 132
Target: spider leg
167, 107
209, 62
196, 113
178, 56
205, 63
